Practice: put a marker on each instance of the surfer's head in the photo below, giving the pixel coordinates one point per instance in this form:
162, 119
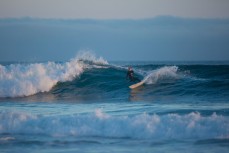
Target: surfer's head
129, 68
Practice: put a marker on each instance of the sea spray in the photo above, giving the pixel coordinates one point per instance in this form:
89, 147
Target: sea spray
88, 56
166, 72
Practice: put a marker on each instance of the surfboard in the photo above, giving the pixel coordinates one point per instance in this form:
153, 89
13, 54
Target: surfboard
136, 85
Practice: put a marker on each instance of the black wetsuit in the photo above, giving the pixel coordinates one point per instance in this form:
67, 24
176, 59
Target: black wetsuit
130, 76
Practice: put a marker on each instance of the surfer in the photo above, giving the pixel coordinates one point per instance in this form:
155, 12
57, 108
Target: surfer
130, 75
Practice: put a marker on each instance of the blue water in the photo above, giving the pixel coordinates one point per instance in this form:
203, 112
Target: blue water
85, 105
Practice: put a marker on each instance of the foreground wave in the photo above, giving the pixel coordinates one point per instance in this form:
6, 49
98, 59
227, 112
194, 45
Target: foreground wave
100, 124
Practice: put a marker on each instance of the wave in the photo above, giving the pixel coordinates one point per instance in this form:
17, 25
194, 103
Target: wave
18, 80
144, 126
87, 77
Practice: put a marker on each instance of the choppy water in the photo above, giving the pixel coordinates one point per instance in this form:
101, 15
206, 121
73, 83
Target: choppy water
85, 105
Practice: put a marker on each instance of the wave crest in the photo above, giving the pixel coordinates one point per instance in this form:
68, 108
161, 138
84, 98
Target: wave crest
88, 57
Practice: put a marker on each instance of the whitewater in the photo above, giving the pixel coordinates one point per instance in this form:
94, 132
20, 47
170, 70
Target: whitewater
28, 79
85, 105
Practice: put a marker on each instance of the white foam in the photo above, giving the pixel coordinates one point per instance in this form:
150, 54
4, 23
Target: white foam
166, 72
6, 138
145, 126
28, 79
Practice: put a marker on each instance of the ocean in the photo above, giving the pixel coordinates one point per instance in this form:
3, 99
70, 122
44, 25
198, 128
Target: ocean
85, 105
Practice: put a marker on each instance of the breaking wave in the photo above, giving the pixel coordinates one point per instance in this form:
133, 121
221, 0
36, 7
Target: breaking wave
144, 126
87, 77
27, 79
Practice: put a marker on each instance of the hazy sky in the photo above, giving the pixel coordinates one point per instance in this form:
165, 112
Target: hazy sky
106, 9
184, 30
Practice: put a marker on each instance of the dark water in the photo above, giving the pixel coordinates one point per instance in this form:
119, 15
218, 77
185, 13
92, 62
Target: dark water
85, 105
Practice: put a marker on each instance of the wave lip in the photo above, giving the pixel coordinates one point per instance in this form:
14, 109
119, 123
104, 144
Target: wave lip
143, 126
18, 80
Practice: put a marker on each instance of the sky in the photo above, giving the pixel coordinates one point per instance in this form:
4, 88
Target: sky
156, 30
114, 9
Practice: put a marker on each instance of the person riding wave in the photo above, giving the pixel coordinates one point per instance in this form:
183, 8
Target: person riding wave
130, 75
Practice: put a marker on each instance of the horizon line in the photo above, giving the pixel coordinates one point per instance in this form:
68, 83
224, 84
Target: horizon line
102, 19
